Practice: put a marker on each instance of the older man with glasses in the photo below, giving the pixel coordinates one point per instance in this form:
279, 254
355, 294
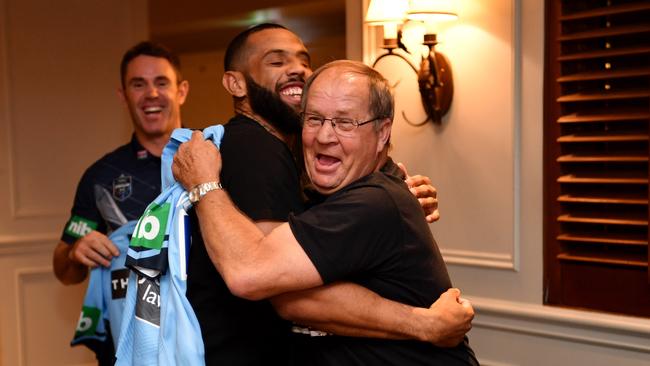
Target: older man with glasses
367, 229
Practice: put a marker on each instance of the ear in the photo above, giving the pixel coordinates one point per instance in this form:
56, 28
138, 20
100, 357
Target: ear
234, 83
120, 94
183, 89
384, 134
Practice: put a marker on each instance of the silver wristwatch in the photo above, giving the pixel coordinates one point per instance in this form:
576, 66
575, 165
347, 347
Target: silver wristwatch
200, 190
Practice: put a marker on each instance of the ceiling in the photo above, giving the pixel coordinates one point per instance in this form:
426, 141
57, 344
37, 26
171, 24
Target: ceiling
195, 26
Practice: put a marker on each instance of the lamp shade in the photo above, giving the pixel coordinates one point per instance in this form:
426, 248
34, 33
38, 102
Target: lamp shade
386, 11
432, 10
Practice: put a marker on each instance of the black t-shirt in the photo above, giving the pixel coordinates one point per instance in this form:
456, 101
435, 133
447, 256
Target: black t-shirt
373, 232
125, 180
261, 177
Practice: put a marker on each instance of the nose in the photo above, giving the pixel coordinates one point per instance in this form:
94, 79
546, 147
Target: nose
297, 68
326, 133
152, 91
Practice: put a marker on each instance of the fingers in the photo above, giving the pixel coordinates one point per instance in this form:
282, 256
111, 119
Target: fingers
179, 165
427, 195
420, 186
469, 309
430, 207
421, 189
112, 248
455, 318
196, 161
433, 217
93, 259
94, 249
452, 292
458, 315
197, 135
175, 169
420, 180
451, 318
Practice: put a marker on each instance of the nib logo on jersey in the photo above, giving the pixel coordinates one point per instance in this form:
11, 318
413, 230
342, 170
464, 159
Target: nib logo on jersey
87, 325
151, 228
78, 226
148, 238
147, 306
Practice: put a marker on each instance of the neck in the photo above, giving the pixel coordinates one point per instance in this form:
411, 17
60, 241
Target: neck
153, 144
381, 159
246, 111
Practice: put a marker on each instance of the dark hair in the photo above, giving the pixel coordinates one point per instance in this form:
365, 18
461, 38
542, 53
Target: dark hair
235, 49
153, 49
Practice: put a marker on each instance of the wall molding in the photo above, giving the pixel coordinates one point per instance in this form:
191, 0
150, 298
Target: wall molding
504, 261
20, 276
15, 210
478, 259
486, 362
592, 328
563, 336
22, 244
5, 103
516, 133
136, 11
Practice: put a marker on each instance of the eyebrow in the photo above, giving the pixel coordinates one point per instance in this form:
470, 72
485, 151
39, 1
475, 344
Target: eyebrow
139, 79
301, 53
162, 78
135, 80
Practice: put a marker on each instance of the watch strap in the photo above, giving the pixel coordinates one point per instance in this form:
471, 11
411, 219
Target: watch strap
200, 190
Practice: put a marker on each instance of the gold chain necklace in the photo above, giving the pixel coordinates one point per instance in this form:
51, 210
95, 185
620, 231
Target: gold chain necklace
264, 124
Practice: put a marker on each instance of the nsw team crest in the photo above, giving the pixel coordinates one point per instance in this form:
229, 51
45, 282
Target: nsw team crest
122, 187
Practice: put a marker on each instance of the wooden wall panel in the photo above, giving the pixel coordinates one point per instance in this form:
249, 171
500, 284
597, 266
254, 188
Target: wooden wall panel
59, 70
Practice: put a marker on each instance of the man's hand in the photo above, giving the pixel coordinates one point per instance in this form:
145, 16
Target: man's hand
196, 161
92, 250
426, 194
447, 320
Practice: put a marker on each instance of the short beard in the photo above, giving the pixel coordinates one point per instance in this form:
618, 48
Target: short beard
269, 106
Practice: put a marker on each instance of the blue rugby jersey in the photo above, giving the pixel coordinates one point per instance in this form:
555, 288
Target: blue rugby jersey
104, 300
159, 326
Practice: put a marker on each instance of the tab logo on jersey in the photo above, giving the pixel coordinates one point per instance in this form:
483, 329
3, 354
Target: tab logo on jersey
79, 227
119, 282
122, 187
147, 307
87, 325
150, 229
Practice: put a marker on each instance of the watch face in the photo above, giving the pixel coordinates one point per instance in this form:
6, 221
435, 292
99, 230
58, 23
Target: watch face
193, 195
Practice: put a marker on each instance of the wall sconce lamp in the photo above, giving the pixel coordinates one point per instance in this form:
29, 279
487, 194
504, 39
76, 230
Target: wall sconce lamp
434, 74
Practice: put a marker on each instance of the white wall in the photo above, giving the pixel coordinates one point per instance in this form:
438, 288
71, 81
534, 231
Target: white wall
486, 161
59, 112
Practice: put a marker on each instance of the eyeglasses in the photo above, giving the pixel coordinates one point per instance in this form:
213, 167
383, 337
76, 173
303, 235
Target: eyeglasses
342, 126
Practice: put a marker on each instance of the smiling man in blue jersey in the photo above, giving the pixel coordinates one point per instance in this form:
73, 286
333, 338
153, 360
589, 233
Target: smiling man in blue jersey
128, 178
119, 186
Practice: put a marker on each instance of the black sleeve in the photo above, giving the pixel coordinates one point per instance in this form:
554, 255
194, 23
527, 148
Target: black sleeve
261, 178
393, 169
353, 233
84, 215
